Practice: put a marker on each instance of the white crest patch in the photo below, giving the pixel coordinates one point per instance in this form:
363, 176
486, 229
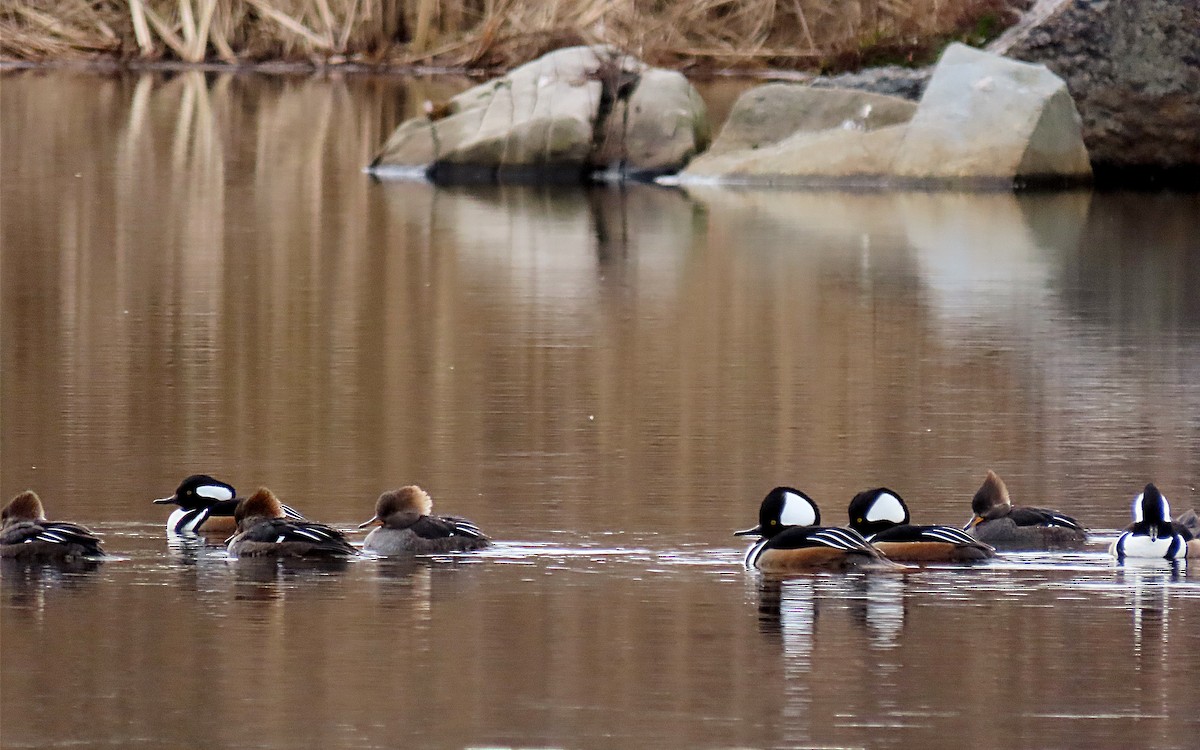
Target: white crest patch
797, 511
887, 507
214, 492
1138, 516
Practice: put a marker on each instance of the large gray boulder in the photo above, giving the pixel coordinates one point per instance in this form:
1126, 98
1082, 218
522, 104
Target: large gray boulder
983, 121
987, 118
1133, 68
565, 115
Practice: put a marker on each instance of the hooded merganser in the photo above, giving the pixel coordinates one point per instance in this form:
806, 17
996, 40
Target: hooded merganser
265, 531
25, 534
1153, 534
881, 516
206, 505
407, 527
1001, 524
792, 539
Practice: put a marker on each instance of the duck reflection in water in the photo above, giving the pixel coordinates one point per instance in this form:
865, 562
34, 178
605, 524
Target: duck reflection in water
270, 578
790, 607
1149, 600
27, 582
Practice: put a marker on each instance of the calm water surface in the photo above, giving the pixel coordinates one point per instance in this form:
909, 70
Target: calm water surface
196, 276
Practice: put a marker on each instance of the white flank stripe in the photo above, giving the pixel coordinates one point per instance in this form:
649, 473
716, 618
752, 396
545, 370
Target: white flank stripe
1064, 521
292, 513
313, 535
947, 534
752, 554
837, 539
195, 522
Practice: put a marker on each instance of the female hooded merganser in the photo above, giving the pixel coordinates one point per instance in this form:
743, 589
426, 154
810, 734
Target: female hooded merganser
25, 534
1153, 533
1005, 526
264, 531
407, 527
792, 539
881, 516
206, 505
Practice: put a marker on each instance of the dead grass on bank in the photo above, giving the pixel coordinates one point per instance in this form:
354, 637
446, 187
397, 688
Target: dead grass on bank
740, 34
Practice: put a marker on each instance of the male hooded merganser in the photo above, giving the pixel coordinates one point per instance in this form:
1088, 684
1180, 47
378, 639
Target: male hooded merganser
265, 531
792, 539
1001, 524
881, 516
1153, 533
407, 527
206, 505
25, 534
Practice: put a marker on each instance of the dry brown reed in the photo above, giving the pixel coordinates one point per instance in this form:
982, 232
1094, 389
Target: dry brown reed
741, 34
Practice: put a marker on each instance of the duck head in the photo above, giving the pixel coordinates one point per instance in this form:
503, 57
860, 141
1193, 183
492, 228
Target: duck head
876, 510
26, 506
990, 500
405, 502
781, 508
198, 491
262, 505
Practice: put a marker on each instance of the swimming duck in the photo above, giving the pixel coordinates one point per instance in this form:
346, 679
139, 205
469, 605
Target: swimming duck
1153, 534
1005, 526
206, 505
793, 539
25, 534
264, 530
881, 516
407, 527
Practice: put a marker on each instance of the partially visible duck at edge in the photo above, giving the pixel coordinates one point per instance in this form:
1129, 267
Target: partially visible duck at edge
206, 505
882, 517
1153, 535
1003, 525
407, 526
792, 539
25, 534
265, 531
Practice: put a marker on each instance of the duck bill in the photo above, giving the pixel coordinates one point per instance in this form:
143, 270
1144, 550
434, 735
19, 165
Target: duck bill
376, 521
756, 531
972, 522
164, 500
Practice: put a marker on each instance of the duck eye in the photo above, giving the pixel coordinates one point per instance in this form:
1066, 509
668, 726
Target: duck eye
773, 522
859, 520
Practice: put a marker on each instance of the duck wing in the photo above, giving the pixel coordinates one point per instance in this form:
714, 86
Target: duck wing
1027, 516
322, 538
53, 532
938, 534
833, 537
441, 527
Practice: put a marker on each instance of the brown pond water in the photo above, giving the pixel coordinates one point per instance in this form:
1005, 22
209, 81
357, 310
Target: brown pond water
197, 276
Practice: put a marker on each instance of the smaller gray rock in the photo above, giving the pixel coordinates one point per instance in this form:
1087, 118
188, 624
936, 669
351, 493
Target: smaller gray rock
768, 114
666, 124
